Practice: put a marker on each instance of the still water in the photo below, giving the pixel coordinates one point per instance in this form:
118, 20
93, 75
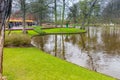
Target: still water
98, 49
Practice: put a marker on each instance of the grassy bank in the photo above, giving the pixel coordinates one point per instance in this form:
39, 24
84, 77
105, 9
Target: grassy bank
33, 64
64, 30
58, 30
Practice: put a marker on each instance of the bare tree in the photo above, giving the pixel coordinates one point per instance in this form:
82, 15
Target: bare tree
5, 10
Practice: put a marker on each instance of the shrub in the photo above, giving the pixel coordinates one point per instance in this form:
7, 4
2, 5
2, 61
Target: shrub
17, 40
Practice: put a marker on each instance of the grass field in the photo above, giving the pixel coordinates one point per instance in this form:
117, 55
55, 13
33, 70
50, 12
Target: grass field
64, 30
33, 64
58, 30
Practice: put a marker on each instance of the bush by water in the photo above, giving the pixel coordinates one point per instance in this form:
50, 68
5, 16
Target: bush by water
17, 40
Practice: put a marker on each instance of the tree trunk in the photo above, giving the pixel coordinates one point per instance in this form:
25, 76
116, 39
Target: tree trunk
84, 21
40, 18
5, 10
24, 15
40, 23
55, 12
63, 13
2, 37
2, 21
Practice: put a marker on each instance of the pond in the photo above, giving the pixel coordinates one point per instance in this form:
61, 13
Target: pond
98, 49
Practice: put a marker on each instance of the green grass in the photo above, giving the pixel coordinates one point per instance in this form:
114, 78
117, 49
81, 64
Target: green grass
33, 64
58, 30
64, 30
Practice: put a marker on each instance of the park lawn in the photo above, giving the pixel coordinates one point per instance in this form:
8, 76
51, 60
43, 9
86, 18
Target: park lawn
58, 30
33, 64
64, 30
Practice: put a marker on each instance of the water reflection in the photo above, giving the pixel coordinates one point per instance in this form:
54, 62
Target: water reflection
98, 50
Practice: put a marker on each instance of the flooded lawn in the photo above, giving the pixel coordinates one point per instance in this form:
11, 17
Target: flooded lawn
98, 49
